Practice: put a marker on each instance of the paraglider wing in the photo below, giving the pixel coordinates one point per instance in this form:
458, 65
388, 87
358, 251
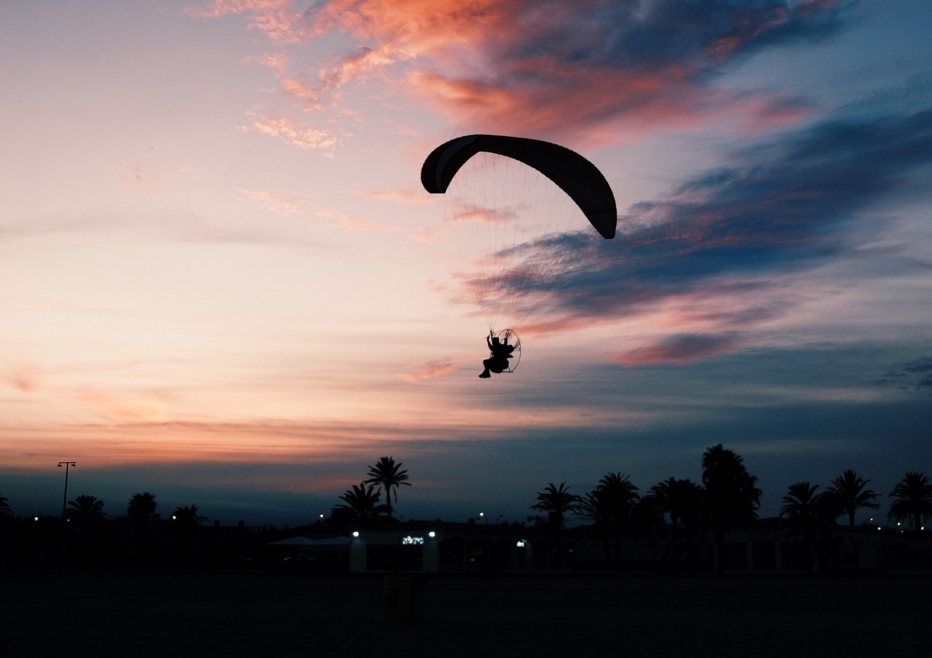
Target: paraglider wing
575, 175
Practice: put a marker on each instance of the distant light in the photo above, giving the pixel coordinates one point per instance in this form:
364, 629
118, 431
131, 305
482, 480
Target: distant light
878, 527
355, 533
520, 544
37, 518
431, 534
898, 523
174, 518
922, 528
321, 516
871, 519
481, 514
412, 541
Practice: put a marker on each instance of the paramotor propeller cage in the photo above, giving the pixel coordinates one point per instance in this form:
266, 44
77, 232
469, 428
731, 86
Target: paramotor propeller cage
512, 338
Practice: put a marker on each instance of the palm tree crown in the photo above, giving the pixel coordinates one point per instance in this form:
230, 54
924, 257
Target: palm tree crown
388, 475
141, 506
5, 511
87, 509
799, 505
557, 502
362, 500
851, 494
681, 499
188, 516
913, 502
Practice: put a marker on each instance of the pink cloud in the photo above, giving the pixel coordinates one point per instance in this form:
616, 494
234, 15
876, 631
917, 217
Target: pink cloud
277, 201
24, 377
429, 370
403, 197
350, 222
544, 67
293, 133
274, 17
681, 349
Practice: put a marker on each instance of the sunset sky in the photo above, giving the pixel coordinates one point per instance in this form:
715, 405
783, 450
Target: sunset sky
222, 282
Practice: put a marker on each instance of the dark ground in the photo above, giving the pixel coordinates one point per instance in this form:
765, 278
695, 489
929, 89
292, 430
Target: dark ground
125, 614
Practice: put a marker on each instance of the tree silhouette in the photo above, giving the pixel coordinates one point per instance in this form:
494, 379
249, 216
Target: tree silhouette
593, 506
852, 495
86, 509
140, 509
682, 500
388, 475
913, 500
618, 496
647, 516
803, 514
731, 497
186, 521
6, 517
362, 501
557, 502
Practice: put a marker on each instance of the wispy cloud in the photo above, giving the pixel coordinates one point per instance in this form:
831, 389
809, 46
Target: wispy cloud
350, 222
734, 233
23, 376
277, 201
915, 375
429, 370
584, 69
680, 349
292, 132
403, 197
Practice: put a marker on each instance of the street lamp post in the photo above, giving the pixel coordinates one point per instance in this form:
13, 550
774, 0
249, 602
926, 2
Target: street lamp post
64, 504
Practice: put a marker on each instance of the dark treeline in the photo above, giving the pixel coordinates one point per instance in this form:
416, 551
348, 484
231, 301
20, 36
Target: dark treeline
726, 498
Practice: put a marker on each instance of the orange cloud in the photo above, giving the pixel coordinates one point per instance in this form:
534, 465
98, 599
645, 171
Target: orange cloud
402, 197
276, 201
119, 407
293, 133
350, 222
23, 376
274, 17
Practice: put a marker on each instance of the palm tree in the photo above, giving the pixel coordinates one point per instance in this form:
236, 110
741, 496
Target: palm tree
6, 516
913, 502
388, 475
619, 496
87, 511
682, 500
731, 497
593, 506
362, 501
140, 509
557, 502
187, 521
803, 514
647, 515
852, 495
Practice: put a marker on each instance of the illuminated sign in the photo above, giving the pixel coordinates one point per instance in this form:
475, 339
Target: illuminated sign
412, 541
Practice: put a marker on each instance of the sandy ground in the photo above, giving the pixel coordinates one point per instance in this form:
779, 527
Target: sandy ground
83, 614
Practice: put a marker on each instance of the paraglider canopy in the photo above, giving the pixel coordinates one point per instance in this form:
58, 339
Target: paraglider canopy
575, 175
